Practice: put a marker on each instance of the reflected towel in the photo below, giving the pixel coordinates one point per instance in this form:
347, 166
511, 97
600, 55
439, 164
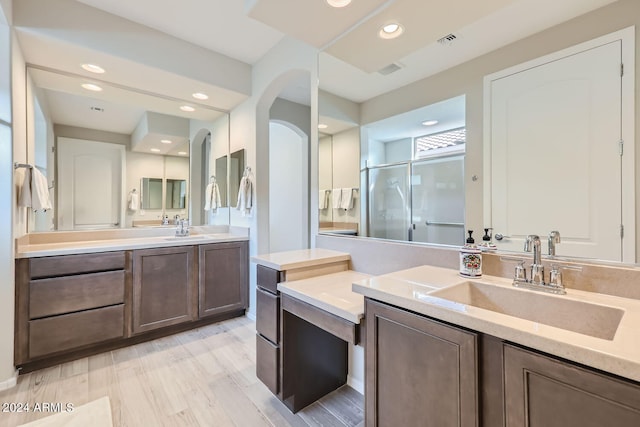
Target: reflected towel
346, 198
134, 201
34, 193
212, 198
245, 196
335, 198
323, 199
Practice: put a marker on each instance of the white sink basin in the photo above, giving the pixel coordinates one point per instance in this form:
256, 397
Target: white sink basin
191, 237
554, 310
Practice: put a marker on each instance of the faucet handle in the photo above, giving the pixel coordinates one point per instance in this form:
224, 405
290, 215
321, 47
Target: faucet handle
555, 276
520, 273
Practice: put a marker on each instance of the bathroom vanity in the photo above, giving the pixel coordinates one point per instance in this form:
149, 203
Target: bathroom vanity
76, 297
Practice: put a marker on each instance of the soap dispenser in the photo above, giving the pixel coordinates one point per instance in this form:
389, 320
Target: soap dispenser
487, 244
470, 258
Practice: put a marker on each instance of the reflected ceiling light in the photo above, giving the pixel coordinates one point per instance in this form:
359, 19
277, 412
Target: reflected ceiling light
391, 31
322, 126
200, 95
92, 87
166, 141
338, 3
92, 68
155, 150
429, 122
187, 108
182, 153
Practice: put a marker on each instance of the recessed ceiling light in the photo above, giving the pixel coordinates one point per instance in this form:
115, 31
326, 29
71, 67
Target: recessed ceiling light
391, 30
187, 108
429, 122
322, 126
92, 87
92, 68
200, 95
338, 3
182, 153
166, 141
155, 150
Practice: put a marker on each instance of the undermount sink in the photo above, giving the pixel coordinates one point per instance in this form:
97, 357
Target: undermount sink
190, 237
558, 311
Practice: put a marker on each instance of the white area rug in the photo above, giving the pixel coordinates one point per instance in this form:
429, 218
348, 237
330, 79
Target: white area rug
94, 414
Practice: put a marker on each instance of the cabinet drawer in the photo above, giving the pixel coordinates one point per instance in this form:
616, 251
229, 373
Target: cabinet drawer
268, 315
76, 264
268, 278
268, 364
69, 331
61, 295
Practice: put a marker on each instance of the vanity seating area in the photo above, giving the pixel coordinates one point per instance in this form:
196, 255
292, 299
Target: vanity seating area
80, 293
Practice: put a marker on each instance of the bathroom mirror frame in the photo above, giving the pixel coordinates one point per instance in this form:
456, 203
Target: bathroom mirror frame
219, 119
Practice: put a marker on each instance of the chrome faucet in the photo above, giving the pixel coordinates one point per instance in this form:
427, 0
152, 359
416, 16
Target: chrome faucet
536, 281
176, 219
554, 239
537, 269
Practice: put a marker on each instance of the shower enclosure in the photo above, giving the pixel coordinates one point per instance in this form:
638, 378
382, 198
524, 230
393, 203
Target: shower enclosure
418, 200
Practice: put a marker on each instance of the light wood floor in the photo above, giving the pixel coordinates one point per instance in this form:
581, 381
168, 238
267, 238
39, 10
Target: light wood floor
203, 377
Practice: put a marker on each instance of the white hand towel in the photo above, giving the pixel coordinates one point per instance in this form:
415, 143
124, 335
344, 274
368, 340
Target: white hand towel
245, 196
346, 198
212, 198
25, 190
39, 191
323, 199
335, 198
134, 201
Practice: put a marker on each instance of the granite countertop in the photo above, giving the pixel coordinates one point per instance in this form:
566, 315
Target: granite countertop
70, 243
290, 260
417, 289
330, 292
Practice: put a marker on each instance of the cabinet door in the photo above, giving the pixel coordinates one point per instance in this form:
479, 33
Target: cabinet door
545, 392
224, 283
419, 372
163, 287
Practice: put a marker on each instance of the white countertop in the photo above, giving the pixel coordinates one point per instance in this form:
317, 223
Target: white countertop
411, 289
290, 260
330, 292
122, 243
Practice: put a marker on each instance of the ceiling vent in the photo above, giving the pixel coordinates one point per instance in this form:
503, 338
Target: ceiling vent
391, 68
447, 40
99, 109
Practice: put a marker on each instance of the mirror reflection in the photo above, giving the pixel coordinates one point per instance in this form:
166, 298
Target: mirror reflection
115, 157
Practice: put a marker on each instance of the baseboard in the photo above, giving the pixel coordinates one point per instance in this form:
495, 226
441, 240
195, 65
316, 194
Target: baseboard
355, 384
251, 315
9, 382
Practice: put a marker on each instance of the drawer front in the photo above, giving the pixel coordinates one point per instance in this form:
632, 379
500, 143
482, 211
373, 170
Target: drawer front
268, 364
268, 315
69, 331
76, 264
48, 297
268, 278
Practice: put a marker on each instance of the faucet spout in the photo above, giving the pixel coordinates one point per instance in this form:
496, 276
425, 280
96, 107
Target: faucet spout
554, 239
537, 269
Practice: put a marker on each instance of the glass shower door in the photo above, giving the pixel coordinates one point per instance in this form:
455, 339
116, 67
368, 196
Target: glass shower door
437, 200
389, 202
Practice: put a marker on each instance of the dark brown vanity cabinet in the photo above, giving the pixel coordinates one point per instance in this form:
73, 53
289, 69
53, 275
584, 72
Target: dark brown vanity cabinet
419, 372
268, 351
544, 392
223, 287
164, 291
69, 302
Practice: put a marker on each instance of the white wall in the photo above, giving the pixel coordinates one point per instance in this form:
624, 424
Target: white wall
346, 172
325, 176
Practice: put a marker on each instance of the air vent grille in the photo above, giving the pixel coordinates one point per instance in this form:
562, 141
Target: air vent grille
99, 109
447, 40
391, 68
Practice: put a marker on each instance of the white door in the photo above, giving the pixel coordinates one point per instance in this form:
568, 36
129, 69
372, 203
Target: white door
557, 126
91, 177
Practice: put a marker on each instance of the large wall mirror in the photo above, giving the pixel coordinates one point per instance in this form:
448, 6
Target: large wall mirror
115, 157
499, 143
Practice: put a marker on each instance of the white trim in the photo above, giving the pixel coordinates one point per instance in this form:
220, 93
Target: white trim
9, 382
627, 39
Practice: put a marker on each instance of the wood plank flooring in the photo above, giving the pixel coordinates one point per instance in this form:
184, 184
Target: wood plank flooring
203, 377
